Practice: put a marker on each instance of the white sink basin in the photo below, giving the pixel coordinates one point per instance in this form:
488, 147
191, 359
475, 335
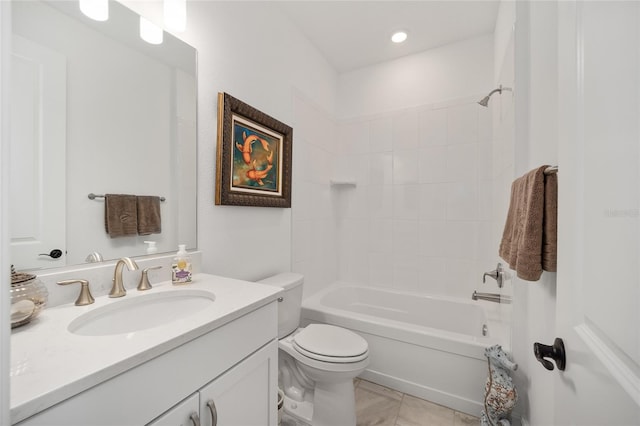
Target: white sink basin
141, 313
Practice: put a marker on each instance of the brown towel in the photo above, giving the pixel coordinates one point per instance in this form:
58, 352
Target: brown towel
120, 215
530, 233
149, 221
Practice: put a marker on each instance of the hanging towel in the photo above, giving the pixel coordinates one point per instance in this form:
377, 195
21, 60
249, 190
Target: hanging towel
120, 215
529, 239
149, 221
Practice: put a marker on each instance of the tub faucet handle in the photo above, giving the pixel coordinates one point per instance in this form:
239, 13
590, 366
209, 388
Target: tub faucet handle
497, 274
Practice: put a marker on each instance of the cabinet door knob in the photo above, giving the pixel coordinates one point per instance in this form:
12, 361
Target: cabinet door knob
195, 419
214, 413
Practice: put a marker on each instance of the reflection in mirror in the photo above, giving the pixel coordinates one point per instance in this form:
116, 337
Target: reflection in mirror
95, 109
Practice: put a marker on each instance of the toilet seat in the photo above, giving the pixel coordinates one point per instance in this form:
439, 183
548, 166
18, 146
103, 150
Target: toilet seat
329, 343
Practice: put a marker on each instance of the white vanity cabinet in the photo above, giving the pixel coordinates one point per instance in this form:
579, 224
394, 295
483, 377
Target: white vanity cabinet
234, 365
240, 397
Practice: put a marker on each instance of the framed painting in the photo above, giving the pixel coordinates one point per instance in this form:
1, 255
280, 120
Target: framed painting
253, 164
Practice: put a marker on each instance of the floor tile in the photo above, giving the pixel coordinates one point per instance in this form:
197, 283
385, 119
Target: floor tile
376, 405
380, 390
462, 419
418, 412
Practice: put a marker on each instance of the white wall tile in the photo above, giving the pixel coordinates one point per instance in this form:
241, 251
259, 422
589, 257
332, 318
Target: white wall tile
462, 201
318, 165
380, 270
432, 127
432, 275
433, 201
405, 167
380, 135
406, 240
380, 201
406, 202
459, 281
460, 240
432, 166
354, 138
381, 236
351, 167
406, 272
405, 130
381, 168
462, 163
462, 124
433, 235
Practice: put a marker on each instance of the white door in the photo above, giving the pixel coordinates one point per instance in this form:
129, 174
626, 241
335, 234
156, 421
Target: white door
598, 288
38, 140
185, 413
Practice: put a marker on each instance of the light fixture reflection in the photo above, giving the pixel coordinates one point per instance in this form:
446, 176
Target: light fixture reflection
150, 32
399, 37
175, 14
97, 10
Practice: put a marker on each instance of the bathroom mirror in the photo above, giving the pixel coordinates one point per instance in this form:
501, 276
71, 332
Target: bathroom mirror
96, 109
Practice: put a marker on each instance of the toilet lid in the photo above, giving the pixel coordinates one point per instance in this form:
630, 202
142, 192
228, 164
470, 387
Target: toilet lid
329, 343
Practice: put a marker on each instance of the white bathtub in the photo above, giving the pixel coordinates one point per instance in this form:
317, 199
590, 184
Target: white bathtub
430, 347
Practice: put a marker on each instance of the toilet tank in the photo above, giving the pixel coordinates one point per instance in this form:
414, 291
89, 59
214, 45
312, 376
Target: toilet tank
290, 301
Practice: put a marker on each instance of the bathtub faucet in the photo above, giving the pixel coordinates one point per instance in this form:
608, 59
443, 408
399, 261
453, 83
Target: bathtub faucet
491, 297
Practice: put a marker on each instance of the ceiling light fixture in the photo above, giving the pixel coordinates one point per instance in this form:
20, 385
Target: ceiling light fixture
98, 10
399, 37
150, 32
175, 14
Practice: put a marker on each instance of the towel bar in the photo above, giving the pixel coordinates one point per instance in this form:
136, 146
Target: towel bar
551, 170
93, 196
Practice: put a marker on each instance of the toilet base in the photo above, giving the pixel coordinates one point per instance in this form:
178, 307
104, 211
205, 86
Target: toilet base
299, 410
333, 404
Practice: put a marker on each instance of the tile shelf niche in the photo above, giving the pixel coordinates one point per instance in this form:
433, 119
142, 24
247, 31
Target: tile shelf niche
341, 183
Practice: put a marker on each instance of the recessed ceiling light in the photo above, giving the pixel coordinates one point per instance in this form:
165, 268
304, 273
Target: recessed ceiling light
399, 37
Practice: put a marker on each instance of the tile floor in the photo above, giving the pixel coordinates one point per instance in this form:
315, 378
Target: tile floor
380, 406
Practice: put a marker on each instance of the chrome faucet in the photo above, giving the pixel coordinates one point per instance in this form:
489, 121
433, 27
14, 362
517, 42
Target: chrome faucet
117, 289
491, 297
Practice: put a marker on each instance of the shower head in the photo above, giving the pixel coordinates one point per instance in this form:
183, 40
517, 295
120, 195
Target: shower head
485, 101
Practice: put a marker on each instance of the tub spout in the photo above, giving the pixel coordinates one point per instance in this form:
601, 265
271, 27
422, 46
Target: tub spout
491, 297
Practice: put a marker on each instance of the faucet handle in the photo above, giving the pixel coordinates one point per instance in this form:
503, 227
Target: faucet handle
85, 297
497, 274
144, 279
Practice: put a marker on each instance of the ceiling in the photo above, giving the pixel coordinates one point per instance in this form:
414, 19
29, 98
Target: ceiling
355, 34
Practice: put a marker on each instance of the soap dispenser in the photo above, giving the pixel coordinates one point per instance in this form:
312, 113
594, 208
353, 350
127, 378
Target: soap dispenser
151, 247
181, 267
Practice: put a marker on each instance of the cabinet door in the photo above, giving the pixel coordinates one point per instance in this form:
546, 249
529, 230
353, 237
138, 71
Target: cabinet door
246, 395
183, 414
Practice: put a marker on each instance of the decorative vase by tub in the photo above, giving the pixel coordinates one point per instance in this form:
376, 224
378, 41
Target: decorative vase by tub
500, 394
28, 297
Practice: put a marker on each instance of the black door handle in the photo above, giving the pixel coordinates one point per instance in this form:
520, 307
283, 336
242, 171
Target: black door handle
54, 254
555, 352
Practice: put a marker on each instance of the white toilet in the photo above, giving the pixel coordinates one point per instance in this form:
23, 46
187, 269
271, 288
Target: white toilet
317, 363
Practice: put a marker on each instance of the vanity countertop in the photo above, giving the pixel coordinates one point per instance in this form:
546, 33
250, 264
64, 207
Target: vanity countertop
50, 364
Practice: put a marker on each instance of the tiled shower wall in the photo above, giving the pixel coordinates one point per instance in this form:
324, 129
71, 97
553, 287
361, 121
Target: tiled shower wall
314, 235
419, 217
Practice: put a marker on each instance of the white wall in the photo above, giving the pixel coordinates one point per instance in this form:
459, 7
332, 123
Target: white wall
263, 68
447, 73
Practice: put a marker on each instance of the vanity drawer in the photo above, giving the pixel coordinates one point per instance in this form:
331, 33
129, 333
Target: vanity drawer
139, 395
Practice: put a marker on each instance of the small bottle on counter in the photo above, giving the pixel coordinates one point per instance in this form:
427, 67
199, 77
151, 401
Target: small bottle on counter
181, 267
151, 247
